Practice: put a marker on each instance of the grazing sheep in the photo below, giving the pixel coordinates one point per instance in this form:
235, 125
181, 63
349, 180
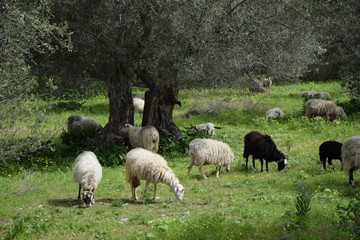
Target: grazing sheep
206, 128
322, 95
274, 113
350, 154
329, 150
138, 105
262, 147
323, 108
142, 164
87, 172
144, 137
80, 123
266, 82
308, 93
208, 151
256, 86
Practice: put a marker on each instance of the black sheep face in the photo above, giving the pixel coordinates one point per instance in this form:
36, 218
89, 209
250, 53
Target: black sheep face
88, 198
282, 163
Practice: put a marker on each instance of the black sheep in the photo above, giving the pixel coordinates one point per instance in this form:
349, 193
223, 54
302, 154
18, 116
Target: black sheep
262, 147
329, 150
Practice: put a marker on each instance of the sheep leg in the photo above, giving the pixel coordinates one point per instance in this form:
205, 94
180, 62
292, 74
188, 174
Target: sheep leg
324, 162
253, 160
267, 167
189, 168
246, 161
133, 193
154, 196
262, 164
145, 189
330, 162
351, 177
134, 184
202, 172
218, 171
79, 192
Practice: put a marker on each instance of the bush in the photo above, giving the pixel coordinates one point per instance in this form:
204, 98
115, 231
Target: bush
169, 144
113, 157
351, 214
77, 141
352, 106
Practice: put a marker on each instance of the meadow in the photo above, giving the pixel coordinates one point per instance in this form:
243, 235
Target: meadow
241, 204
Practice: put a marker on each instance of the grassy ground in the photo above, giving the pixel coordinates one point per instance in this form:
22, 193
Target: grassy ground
239, 205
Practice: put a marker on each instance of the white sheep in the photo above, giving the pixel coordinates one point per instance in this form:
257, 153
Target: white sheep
138, 105
266, 81
274, 113
142, 164
144, 137
87, 172
208, 151
323, 108
206, 128
322, 95
76, 123
350, 154
309, 93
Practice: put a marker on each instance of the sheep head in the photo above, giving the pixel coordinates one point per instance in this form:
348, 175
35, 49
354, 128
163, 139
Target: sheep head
282, 163
88, 198
340, 112
178, 191
126, 128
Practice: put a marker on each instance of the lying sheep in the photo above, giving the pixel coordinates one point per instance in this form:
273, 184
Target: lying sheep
322, 95
138, 105
308, 93
80, 123
142, 164
350, 154
262, 147
87, 172
329, 150
206, 128
274, 113
323, 108
144, 137
208, 151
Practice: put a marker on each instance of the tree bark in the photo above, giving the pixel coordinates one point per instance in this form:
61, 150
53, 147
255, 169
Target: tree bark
121, 108
159, 107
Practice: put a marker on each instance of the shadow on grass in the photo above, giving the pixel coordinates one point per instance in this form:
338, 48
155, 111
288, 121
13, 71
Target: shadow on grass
72, 202
125, 201
66, 202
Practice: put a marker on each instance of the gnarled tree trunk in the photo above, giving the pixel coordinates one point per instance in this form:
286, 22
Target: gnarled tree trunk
159, 107
121, 110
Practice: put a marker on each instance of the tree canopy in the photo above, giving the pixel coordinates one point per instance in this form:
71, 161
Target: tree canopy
169, 45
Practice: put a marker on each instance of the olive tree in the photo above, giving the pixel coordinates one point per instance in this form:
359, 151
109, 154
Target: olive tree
25, 30
170, 45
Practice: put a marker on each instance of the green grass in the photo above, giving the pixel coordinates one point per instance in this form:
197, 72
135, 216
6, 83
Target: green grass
239, 205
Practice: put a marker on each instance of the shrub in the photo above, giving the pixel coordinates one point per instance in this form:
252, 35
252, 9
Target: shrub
77, 141
352, 106
303, 199
169, 144
351, 214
